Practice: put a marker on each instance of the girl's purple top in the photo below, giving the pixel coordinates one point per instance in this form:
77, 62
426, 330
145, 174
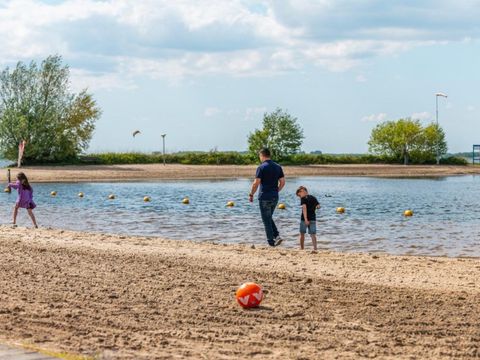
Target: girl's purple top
25, 196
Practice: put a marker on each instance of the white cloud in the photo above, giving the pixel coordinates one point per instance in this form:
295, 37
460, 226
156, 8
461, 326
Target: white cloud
248, 114
424, 115
82, 79
186, 38
211, 111
470, 108
254, 113
361, 78
375, 117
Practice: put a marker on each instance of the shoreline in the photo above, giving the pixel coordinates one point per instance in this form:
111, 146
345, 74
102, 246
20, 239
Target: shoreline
127, 297
157, 172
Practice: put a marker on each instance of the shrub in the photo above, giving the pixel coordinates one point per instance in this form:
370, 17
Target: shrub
237, 158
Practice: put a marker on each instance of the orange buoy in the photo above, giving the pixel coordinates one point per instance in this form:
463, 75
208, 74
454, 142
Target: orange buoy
249, 295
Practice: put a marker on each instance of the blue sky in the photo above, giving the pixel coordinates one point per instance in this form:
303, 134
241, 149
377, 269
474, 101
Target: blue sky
204, 72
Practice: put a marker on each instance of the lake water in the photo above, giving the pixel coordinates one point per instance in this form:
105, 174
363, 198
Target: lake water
446, 220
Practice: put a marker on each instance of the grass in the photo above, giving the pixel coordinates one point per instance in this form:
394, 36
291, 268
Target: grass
53, 353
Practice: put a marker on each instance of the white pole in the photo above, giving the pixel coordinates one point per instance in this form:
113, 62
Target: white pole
436, 121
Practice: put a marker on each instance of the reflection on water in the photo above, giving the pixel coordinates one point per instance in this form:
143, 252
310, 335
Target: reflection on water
446, 220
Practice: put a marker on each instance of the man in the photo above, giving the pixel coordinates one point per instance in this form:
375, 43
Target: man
271, 180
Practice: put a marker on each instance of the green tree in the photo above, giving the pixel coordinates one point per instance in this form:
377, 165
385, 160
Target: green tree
36, 105
434, 142
407, 139
281, 133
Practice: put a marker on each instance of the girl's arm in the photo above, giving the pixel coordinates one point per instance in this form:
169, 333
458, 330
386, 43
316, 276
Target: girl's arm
14, 185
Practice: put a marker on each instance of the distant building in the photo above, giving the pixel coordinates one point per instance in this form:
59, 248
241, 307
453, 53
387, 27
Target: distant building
316, 152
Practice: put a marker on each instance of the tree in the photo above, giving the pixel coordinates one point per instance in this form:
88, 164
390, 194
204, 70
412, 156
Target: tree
406, 139
36, 105
434, 142
280, 133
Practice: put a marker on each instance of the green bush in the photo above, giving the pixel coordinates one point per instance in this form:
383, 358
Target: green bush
237, 158
454, 160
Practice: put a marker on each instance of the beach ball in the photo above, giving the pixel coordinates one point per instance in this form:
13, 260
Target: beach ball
230, 204
282, 206
80, 194
186, 201
111, 197
340, 210
146, 199
7, 190
408, 213
53, 193
249, 295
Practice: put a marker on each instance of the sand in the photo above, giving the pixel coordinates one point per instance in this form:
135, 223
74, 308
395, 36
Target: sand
119, 297
160, 172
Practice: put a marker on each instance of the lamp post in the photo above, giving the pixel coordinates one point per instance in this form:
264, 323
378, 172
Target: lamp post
163, 138
436, 120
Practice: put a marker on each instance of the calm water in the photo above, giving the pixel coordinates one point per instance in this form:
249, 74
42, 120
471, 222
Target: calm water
446, 221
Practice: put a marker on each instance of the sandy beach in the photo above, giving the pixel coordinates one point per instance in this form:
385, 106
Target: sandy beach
119, 297
160, 172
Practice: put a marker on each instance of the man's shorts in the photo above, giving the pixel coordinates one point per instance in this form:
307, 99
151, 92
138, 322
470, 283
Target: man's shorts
312, 228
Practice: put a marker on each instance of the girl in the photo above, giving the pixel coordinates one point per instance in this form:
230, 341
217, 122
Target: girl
25, 198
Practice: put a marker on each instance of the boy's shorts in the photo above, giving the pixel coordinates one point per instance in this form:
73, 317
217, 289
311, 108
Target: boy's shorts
312, 228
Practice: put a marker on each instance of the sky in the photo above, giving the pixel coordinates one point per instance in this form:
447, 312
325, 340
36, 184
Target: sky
204, 72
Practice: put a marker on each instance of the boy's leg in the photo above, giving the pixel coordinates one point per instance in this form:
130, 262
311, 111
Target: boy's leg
302, 241
314, 241
266, 212
303, 230
312, 230
32, 216
15, 213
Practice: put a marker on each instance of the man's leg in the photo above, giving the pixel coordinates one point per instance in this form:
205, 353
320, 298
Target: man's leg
274, 227
266, 212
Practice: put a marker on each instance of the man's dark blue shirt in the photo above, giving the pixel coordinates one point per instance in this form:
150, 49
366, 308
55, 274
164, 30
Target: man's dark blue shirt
269, 172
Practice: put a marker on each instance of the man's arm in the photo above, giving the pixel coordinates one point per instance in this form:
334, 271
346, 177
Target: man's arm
255, 185
281, 183
305, 215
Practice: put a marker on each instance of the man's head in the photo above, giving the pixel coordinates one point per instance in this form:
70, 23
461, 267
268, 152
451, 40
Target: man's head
302, 191
264, 154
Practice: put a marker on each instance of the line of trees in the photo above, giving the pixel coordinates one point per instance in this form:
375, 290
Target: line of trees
403, 140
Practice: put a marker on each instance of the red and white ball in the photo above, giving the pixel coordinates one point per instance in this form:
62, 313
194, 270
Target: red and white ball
249, 295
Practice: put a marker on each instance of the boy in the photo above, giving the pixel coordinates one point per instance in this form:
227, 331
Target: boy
308, 220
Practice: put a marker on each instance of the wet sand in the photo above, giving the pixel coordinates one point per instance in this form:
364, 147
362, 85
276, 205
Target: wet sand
119, 297
160, 172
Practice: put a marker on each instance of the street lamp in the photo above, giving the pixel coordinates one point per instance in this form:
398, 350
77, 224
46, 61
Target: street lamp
436, 120
163, 138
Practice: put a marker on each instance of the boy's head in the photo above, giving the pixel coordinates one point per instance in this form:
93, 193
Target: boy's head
302, 191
